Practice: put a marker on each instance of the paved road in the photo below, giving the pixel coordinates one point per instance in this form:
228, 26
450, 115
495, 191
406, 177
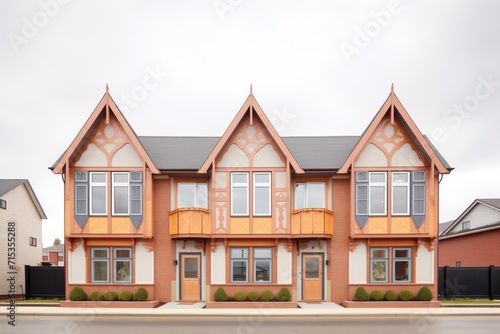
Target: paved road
252, 325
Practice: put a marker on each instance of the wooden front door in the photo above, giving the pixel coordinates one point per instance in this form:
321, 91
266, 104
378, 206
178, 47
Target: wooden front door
190, 277
312, 276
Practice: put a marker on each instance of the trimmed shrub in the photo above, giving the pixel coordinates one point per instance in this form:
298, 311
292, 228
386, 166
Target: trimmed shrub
391, 296
284, 295
253, 296
110, 296
240, 296
267, 296
96, 296
220, 295
140, 295
376, 295
405, 295
125, 296
77, 294
424, 294
361, 295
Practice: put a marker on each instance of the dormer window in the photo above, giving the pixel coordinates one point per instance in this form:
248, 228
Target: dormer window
466, 226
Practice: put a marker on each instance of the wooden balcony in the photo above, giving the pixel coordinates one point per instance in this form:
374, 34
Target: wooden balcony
190, 222
312, 222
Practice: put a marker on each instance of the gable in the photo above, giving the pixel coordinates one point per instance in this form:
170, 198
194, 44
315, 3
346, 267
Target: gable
480, 216
106, 145
250, 145
390, 145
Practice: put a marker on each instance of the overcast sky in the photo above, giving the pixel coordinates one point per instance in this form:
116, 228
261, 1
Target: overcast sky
185, 67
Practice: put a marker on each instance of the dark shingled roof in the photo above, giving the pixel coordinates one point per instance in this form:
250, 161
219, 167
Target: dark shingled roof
312, 153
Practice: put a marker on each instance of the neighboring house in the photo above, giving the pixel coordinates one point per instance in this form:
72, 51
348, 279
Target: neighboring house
21, 232
473, 239
54, 255
183, 216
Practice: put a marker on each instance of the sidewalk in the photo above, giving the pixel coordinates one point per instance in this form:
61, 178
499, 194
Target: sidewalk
270, 312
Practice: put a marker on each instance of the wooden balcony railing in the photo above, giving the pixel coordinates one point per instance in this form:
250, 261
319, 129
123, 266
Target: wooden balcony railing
312, 222
190, 222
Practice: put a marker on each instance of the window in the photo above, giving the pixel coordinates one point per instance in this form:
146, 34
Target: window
122, 265
309, 195
239, 265
262, 265
458, 264
466, 226
98, 194
401, 193
401, 265
378, 193
32, 242
418, 181
239, 194
192, 195
262, 194
3, 204
378, 265
120, 193
99, 265
136, 194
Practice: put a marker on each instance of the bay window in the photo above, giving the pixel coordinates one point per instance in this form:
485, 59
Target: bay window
401, 193
120, 193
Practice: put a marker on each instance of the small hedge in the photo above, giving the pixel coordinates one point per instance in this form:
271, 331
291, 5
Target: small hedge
267, 296
125, 296
361, 295
376, 295
220, 295
284, 295
424, 294
253, 296
240, 296
391, 296
110, 296
96, 296
77, 294
405, 295
140, 295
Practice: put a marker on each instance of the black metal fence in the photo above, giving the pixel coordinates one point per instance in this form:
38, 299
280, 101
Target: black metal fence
44, 282
469, 282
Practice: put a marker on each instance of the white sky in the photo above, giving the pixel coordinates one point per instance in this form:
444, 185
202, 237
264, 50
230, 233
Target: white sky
57, 56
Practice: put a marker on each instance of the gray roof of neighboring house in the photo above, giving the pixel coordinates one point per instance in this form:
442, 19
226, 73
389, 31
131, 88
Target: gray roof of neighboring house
495, 202
444, 226
312, 153
56, 248
6, 185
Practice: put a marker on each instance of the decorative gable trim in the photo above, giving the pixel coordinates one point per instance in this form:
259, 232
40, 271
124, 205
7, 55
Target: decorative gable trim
393, 105
250, 106
107, 106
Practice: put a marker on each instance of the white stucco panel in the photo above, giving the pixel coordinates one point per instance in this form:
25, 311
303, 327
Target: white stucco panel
76, 265
126, 157
284, 265
267, 157
424, 265
406, 156
371, 156
92, 156
357, 265
219, 265
234, 157
144, 264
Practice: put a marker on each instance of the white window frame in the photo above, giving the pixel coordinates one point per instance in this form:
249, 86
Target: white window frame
262, 185
120, 184
94, 259
122, 259
239, 185
91, 197
305, 200
373, 185
401, 259
400, 184
198, 190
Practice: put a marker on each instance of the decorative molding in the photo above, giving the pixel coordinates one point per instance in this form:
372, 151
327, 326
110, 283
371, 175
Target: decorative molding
353, 244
